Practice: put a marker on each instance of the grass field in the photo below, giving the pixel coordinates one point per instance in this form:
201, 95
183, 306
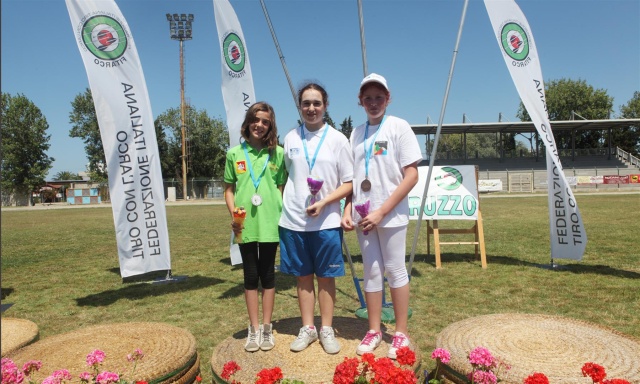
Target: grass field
60, 270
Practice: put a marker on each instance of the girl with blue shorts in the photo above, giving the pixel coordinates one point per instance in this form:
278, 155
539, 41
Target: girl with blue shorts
318, 159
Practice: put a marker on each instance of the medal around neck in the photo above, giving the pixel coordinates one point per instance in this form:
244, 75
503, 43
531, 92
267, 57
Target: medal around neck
365, 185
256, 200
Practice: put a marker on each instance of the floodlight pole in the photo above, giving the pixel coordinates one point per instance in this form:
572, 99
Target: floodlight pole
180, 28
434, 150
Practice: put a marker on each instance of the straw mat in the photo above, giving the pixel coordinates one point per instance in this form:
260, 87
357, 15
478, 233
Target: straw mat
553, 345
17, 333
169, 352
313, 365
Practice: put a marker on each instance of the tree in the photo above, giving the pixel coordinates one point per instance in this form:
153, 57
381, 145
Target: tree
66, 175
565, 97
84, 124
347, 126
629, 138
207, 142
23, 148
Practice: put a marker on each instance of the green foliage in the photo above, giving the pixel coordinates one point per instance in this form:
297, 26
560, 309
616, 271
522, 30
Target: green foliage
84, 125
207, 141
66, 175
629, 138
347, 126
24, 145
566, 96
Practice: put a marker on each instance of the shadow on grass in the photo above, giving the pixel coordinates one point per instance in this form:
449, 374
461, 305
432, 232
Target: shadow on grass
604, 270
5, 292
143, 290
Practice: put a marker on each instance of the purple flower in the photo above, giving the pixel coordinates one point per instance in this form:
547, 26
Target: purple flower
363, 210
314, 185
441, 354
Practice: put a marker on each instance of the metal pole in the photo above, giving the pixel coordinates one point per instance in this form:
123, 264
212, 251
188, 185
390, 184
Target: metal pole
363, 45
182, 125
284, 65
437, 137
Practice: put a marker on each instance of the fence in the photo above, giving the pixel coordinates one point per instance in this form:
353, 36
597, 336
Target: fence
197, 188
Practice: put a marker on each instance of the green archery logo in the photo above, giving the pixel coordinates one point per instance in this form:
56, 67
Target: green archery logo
515, 41
104, 37
449, 179
234, 52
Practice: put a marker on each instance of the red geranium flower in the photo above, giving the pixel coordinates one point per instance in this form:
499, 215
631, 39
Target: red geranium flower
536, 378
594, 371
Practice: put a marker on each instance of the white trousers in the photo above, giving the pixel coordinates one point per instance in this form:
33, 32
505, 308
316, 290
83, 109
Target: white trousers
383, 251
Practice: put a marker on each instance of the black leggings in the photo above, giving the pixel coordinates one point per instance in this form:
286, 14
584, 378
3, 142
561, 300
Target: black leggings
258, 264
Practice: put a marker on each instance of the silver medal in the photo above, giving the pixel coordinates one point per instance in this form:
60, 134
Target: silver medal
256, 200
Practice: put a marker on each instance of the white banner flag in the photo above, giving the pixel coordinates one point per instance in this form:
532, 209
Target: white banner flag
568, 235
237, 82
128, 135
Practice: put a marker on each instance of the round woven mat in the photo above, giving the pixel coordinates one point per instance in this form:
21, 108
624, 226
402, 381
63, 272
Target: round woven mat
313, 365
170, 352
555, 346
17, 333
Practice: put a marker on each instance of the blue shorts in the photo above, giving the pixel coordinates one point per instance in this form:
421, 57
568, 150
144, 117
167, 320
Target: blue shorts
307, 253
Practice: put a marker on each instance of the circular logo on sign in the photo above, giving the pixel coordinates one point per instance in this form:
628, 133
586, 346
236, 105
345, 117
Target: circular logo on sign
104, 37
515, 41
450, 179
234, 53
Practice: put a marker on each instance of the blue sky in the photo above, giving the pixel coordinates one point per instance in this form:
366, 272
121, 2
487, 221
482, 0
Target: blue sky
410, 42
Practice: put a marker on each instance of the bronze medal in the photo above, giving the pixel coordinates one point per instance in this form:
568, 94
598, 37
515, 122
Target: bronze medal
365, 185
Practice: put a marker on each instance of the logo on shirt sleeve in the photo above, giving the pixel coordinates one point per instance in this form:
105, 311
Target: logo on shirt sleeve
241, 166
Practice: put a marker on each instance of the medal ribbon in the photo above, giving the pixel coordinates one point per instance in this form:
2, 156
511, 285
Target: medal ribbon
367, 153
253, 177
304, 144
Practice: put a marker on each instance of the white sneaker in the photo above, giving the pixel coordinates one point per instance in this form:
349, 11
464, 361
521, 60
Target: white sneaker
370, 342
328, 340
253, 339
399, 340
268, 341
306, 336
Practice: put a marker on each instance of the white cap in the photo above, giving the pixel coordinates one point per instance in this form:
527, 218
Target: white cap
374, 78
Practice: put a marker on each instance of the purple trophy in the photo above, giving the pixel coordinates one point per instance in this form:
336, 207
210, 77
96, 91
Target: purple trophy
363, 210
314, 184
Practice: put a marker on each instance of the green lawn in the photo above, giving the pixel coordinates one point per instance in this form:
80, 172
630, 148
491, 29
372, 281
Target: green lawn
60, 270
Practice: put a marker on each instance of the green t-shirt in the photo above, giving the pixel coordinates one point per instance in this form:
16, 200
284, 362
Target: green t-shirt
261, 223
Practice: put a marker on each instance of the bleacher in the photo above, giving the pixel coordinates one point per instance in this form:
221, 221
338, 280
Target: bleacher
585, 170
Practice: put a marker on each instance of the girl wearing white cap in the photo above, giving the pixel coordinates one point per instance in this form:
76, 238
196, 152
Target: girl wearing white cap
386, 155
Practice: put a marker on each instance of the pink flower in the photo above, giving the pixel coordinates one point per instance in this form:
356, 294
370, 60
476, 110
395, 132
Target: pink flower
94, 358
483, 377
442, 354
30, 366
86, 377
481, 356
10, 372
135, 356
107, 378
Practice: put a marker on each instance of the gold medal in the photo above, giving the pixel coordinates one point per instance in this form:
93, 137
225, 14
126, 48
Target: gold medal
365, 185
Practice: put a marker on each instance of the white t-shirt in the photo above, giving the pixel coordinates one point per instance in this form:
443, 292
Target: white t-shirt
395, 147
334, 164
